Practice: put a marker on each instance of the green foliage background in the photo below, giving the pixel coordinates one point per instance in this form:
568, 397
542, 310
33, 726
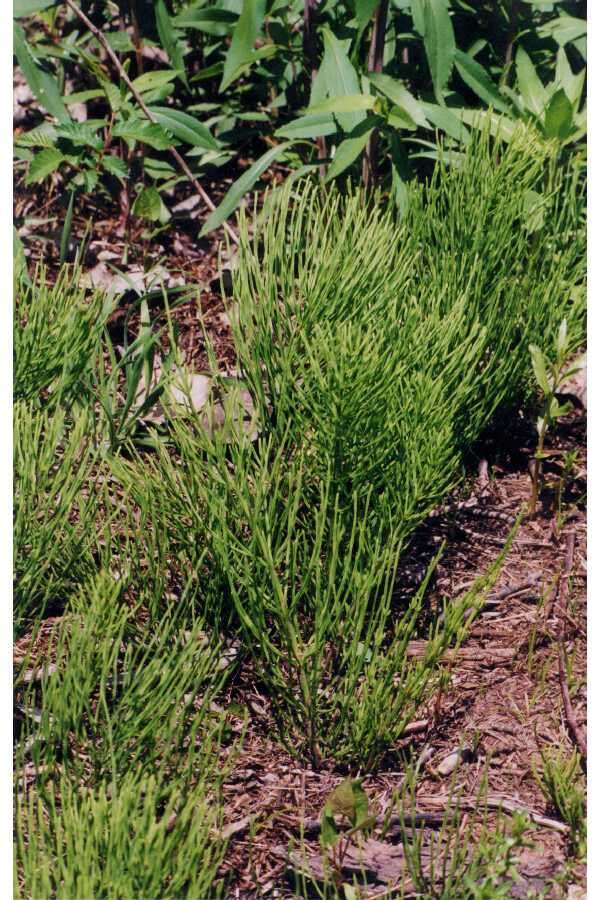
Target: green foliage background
360, 88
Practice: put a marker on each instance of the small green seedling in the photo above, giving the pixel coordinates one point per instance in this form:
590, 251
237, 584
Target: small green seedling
128, 390
563, 785
350, 802
550, 375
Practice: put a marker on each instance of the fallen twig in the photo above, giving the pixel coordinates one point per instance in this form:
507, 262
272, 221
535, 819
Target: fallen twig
416, 727
577, 734
147, 112
421, 818
509, 591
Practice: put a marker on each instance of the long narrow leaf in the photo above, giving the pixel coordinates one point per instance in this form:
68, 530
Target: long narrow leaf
244, 184
245, 33
363, 10
532, 90
400, 96
446, 120
347, 152
185, 127
479, 81
168, 39
43, 85
339, 77
439, 43
348, 104
66, 231
308, 127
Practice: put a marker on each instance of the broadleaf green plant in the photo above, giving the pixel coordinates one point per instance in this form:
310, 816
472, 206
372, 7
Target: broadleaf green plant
550, 376
235, 77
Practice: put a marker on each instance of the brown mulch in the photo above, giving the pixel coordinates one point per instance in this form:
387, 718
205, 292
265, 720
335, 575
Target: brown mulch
503, 704
193, 264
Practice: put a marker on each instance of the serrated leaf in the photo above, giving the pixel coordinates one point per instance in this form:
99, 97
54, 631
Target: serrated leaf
531, 88
540, 364
80, 134
43, 164
149, 205
400, 97
479, 81
439, 43
245, 183
244, 36
185, 127
43, 85
119, 41
115, 166
42, 136
113, 95
558, 121
348, 151
88, 179
147, 133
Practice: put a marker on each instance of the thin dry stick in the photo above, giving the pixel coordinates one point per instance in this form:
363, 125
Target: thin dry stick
577, 734
149, 115
420, 818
